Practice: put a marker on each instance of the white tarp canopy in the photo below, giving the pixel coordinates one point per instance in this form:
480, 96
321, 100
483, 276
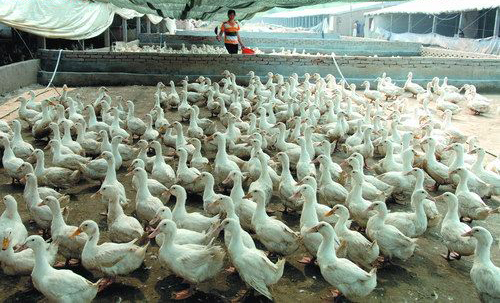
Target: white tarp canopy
435, 7
74, 20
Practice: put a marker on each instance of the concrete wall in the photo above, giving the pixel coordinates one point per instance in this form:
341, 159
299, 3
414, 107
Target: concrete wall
87, 68
17, 75
339, 47
244, 34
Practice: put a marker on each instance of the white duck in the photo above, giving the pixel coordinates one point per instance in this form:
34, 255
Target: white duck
10, 162
193, 220
21, 148
135, 125
343, 274
252, 265
411, 224
61, 285
274, 234
226, 203
121, 228
194, 262
186, 176
10, 218
484, 274
110, 259
161, 170
69, 248
244, 208
146, 205
154, 186
359, 249
470, 205
21, 263
452, 230
184, 236
391, 241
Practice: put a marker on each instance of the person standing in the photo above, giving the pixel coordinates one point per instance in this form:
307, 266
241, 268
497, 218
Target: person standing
230, 29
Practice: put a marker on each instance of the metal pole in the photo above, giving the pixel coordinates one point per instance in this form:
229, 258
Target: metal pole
392, 15
124, 29
350, 19
148, 26
138, 26
409, 23
434, 24
497, 21
484, 24
460, 23
107, 38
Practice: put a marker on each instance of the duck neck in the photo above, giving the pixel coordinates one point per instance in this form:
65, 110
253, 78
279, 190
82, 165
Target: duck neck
114, 209
419, 184
482, 253
41, 262
459, 158
309, 217
478, 164
341, 224
236, 244
407, 161
452, 212
463, 183
260, 212
143, 189
327, 247
221, 155
209, 188
326, 176
180, 204
237, 192
40, 165
286, 175
110, 172
93, 240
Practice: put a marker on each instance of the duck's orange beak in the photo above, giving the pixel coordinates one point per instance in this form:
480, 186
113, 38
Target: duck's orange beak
76, 232
5, 243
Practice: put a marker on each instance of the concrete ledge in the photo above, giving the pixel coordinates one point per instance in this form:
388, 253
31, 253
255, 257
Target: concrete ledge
17, 75
350, 47
108, 68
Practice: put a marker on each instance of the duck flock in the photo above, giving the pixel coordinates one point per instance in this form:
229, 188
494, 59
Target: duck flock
336, 158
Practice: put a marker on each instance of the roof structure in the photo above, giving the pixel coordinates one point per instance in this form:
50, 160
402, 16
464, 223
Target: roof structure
209, 9
340, 9
435, 7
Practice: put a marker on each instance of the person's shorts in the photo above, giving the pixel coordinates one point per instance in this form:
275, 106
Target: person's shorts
231, 48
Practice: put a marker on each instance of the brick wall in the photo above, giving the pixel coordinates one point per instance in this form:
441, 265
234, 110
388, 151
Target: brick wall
149, 67
313, 45
441, 52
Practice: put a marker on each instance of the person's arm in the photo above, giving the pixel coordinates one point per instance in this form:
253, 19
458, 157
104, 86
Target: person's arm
239, 41
221, 32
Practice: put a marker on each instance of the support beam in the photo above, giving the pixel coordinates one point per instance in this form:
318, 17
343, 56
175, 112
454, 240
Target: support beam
124, 30
42, 42
107, 38
391, 22
484, 24
148, 25
434, 24
460, 23
138, 26
497, 23
409, 23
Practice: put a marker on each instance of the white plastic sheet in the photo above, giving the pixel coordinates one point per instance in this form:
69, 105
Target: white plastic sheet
489, 45
66, 19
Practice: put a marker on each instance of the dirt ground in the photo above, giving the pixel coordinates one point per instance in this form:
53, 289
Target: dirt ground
425, 277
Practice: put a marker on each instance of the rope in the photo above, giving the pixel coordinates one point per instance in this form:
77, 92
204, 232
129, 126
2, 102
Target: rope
338, 68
